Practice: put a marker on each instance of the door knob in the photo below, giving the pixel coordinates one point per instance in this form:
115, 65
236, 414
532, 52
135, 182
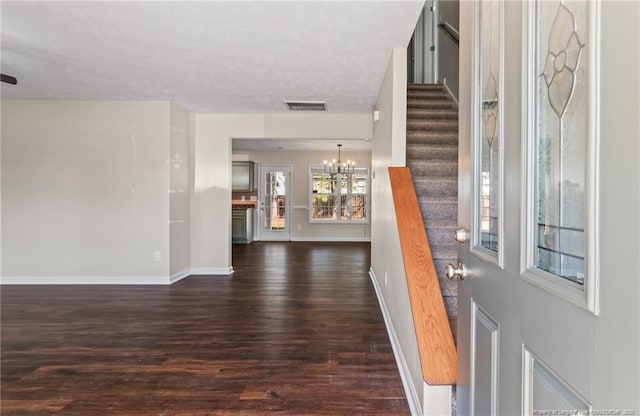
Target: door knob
462, 235
459, 272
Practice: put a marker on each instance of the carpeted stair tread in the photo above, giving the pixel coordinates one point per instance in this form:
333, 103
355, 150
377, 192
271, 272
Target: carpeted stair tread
441, 186
427, 94
446, 152
425, 199
416, 103
425, 87
444, 252
432, 137
440, 211
432, 113
432, 125
421, 167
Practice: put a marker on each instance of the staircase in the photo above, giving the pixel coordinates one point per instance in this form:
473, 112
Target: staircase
432, 157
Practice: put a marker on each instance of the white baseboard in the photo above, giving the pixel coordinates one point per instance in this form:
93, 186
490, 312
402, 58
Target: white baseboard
113, 280
409, 389
437, 400
212, 270
448, 90
179, 276
84, 280
334, 239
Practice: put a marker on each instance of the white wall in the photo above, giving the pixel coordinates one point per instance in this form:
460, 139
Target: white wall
448, 52
84, 191
179, 202
301, 229
211, 194
389, 138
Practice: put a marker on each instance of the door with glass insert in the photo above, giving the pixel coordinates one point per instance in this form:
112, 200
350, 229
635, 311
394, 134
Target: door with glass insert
548, 313
274, 210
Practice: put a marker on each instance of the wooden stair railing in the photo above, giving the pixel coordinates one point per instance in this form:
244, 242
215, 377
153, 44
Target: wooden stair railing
437, 350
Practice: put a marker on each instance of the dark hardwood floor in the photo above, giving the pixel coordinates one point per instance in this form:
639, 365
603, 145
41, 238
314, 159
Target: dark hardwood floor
295, 331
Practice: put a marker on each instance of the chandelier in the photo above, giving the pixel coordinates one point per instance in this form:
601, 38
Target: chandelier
338, 166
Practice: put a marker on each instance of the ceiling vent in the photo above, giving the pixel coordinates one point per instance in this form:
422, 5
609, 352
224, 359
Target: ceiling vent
306, 105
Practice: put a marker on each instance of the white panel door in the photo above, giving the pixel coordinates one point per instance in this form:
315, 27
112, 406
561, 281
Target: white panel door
274, 212
547, 126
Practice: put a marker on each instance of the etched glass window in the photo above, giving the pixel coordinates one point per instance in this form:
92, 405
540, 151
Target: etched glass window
489, 125
561, 133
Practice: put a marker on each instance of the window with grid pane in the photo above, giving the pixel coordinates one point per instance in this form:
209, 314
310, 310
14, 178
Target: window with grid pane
339, 198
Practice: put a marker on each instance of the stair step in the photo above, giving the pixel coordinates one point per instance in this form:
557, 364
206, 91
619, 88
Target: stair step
442, 237
432, 125
444, 252
438, 94
439, 186
432, 151
432, 113
432, 137
415, 103
422, 167
447, 287
445, 210
425, 87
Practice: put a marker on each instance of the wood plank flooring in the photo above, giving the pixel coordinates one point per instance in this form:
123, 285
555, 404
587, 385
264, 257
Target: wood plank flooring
295, 331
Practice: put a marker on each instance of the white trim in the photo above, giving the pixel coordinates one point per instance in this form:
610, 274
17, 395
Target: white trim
409, 389
270, 235
479, 315
333, 239
437, 400
179, 276
218, 271
85, 280
554, 383
114, 280
448, 91
487, 255
317, 168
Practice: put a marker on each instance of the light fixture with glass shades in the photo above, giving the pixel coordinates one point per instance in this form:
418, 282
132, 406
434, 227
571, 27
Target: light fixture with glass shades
338, 166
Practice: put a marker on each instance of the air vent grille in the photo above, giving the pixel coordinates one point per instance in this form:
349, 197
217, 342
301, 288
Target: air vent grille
306, 105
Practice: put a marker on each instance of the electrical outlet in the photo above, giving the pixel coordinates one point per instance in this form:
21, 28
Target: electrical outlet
299, 227
157, 256
386, 278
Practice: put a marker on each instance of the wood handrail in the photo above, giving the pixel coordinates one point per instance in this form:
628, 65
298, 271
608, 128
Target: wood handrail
435, 341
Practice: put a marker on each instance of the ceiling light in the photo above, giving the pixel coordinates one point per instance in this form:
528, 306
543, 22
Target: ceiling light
339, 167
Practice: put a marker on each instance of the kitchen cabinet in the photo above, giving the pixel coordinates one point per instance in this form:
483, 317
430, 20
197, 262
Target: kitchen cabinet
242, 176
241, 225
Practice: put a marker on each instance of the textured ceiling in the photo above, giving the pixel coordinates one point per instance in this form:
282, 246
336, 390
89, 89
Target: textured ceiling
233, 56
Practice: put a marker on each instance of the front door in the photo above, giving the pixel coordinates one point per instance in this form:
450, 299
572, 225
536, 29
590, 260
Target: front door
548, 317
274, 210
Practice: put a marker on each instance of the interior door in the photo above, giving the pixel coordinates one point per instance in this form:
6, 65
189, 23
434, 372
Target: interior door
540, 302
274, 211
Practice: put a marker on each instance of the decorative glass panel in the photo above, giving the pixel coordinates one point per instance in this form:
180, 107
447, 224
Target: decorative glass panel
489, 125
561, 133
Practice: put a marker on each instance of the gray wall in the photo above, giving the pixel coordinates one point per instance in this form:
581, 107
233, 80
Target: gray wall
387, 266
449, 11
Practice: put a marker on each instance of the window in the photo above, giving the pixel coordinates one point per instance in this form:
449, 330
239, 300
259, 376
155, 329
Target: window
339, 198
